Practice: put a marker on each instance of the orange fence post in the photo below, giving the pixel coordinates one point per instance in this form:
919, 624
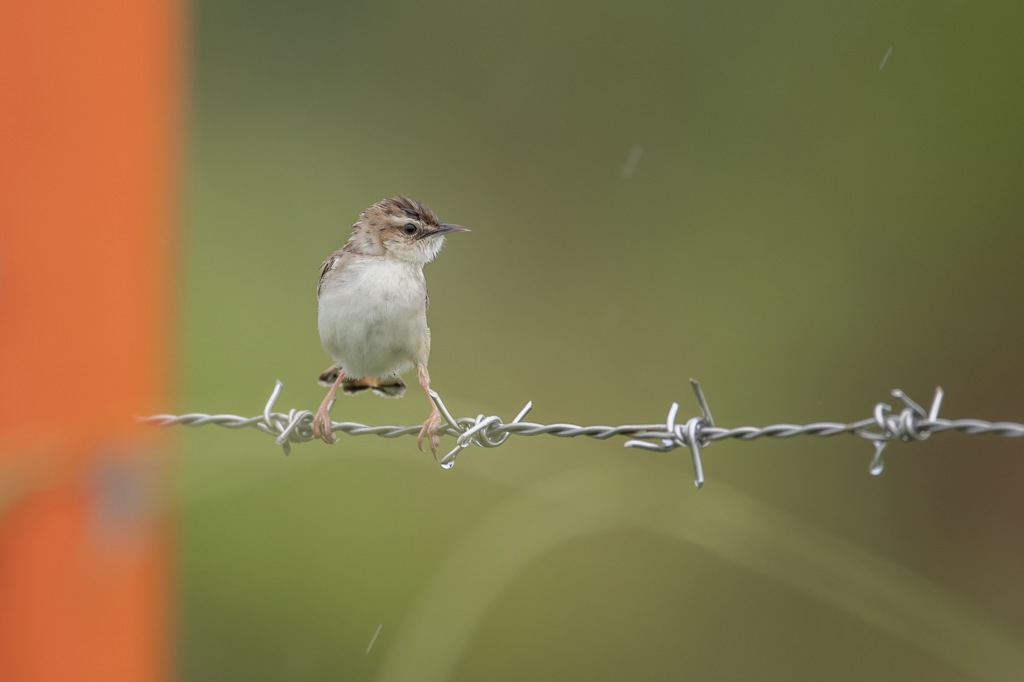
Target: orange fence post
90, 94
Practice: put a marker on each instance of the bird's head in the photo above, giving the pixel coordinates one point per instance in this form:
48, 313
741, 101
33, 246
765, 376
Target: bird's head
403, 228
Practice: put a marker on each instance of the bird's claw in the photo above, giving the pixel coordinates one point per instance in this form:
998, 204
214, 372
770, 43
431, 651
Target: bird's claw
430, 430
323, 428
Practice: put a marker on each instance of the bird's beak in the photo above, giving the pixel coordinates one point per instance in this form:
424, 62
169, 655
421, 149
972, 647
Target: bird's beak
444, 229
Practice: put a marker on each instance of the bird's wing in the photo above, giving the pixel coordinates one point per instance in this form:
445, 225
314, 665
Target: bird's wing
329, 264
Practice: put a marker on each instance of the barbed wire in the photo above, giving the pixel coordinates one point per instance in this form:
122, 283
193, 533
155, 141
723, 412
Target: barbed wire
912, 423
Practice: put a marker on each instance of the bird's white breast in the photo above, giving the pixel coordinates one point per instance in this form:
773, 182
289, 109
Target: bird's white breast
372, 316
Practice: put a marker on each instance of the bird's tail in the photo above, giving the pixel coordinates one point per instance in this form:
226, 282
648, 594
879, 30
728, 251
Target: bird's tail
387, 387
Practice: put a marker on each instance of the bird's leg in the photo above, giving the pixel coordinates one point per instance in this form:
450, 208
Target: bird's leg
433, 424
322, 419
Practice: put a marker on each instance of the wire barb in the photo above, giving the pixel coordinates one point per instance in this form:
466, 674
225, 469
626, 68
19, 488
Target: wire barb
912, 423
486, 432
689, 435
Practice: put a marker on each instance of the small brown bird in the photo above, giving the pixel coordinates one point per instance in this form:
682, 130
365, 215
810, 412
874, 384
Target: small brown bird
373, 307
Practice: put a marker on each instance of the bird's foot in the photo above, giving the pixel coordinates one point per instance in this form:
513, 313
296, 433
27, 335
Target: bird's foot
430, 431
323, 428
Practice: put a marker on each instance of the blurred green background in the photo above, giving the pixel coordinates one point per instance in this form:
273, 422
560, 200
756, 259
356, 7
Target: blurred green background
740, 192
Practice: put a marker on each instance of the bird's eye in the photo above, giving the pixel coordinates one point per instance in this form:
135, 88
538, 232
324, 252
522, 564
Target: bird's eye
409, 228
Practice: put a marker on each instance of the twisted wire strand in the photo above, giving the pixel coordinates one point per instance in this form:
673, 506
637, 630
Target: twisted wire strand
912, 422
